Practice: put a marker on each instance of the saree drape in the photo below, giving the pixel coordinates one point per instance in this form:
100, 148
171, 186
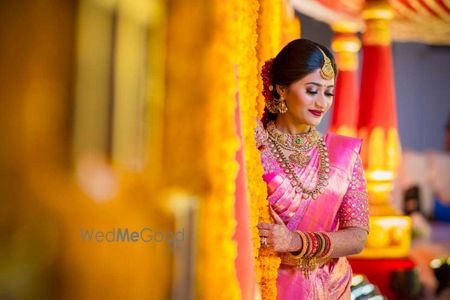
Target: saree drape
343, 204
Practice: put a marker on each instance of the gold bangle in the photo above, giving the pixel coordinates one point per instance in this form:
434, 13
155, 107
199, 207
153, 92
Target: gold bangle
304, 245
323, 236
310, 246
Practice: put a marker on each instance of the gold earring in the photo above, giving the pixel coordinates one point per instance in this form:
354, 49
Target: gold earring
282, 108
277, 106
272, 106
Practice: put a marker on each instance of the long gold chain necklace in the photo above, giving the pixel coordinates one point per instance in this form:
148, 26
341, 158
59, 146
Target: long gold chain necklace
291, 142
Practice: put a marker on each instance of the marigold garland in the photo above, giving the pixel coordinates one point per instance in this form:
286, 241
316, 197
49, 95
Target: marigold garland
200, 140
240, 36
290, 24
218, 249
248, 93
271, 37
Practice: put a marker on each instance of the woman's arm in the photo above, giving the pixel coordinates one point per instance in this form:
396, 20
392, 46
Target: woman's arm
347, 241
353, 216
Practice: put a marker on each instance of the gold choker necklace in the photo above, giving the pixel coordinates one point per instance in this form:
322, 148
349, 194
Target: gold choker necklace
300, 143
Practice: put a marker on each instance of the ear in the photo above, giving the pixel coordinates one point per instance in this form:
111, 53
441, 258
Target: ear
281, 90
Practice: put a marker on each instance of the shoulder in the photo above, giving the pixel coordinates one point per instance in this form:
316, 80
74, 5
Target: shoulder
261, 134
343, 151
342, 142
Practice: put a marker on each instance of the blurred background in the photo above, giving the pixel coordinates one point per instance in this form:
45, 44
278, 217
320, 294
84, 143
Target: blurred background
139, 115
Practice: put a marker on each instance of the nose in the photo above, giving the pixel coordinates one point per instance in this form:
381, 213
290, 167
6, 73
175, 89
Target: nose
321, 102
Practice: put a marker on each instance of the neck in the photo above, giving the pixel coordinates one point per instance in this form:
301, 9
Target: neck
285, 125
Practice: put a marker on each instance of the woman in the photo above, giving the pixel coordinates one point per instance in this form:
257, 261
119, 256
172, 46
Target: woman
316, 187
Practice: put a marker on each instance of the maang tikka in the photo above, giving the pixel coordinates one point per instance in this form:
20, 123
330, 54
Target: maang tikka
327, 71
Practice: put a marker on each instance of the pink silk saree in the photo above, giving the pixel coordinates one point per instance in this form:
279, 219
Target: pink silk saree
344, 203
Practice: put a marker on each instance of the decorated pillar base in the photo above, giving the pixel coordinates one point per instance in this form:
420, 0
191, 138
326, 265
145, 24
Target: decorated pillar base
390, 231
396, 278
389, 237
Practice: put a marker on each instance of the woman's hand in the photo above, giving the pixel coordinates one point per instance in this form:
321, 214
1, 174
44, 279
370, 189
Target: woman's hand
278, 235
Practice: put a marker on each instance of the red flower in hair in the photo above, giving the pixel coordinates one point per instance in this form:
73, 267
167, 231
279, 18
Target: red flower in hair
267, 80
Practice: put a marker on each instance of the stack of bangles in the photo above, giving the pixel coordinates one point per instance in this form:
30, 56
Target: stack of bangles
316, 250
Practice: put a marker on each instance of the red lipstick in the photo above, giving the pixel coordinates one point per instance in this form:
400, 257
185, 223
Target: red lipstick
316, 113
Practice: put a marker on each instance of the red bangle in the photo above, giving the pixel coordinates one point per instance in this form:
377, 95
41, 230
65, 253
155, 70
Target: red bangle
327, 250
314, 244
320, 239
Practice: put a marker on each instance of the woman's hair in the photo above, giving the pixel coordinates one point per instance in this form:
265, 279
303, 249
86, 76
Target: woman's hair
296, 60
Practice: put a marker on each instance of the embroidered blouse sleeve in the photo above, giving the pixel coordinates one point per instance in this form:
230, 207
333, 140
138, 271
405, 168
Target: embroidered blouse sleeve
261, 134
354, 210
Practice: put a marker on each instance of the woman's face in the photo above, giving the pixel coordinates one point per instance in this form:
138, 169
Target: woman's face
308, 99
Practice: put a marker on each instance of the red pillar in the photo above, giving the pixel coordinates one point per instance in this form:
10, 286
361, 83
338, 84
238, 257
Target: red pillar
377, 122
346, 46
389, 240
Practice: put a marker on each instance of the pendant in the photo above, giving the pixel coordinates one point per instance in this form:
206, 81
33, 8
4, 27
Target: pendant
301, 159
283, 139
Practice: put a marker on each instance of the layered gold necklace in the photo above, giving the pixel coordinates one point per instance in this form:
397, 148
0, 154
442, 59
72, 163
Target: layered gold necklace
299, 144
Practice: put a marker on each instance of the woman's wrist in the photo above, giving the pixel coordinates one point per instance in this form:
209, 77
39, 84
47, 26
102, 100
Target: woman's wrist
297, 244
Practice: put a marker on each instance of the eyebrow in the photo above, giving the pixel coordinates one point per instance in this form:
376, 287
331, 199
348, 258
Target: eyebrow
319, 85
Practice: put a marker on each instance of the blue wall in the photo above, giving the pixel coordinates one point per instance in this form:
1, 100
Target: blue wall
422, 82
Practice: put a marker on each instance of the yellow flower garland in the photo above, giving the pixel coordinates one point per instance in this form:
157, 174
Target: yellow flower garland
275, 27
239, 37
290, 24
199, 140
217, 213
269, 38
248, 93
267, 263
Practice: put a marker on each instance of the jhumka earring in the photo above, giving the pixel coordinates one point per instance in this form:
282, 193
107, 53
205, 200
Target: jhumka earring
277, 106
282, 108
